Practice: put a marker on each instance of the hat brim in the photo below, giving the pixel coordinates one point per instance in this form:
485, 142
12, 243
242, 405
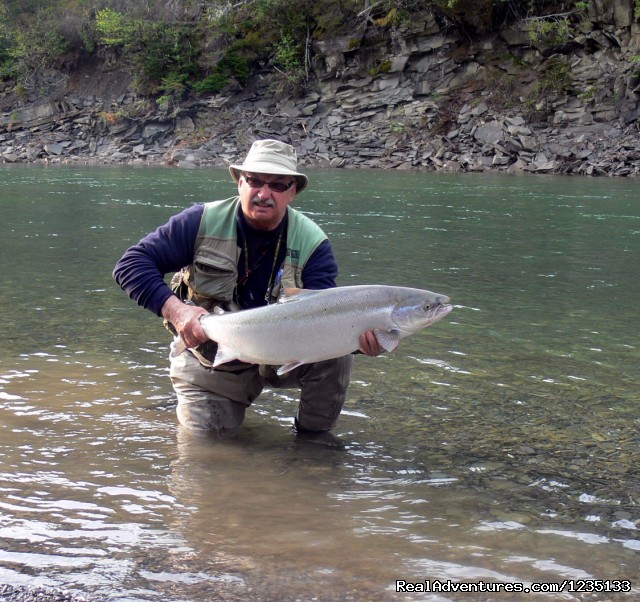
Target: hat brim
269, 168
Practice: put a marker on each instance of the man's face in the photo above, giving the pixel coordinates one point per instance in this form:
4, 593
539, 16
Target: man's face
264, 207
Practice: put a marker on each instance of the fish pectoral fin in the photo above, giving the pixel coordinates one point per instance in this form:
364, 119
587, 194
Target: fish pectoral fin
223, 356
388, 339
288, 367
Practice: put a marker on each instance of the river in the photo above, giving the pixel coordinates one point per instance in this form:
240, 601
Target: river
499, 446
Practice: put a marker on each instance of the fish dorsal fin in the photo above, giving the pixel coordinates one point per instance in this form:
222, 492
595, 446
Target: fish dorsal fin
293, 294
388, 339
292, 290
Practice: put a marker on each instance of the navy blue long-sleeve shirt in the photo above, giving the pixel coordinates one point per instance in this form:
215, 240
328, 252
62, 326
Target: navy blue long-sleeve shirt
141, 270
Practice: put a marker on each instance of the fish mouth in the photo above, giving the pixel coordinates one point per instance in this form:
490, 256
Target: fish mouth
439, 311
445, 308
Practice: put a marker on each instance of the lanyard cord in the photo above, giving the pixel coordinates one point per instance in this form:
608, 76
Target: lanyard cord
273, 269
249, 270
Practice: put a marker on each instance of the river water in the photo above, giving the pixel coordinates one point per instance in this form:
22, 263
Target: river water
501, 445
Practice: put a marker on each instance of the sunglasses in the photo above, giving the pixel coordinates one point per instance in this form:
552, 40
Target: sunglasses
274, 186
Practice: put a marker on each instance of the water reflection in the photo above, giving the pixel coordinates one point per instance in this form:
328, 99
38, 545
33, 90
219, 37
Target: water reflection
501, 445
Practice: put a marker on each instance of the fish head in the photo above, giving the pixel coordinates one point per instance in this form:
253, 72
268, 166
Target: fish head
416, 309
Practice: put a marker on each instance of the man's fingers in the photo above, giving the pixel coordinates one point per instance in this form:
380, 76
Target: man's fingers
369, 344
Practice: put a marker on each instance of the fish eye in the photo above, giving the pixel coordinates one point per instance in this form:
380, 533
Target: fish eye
426, 306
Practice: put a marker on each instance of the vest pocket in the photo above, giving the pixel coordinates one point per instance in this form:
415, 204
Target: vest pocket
214, 275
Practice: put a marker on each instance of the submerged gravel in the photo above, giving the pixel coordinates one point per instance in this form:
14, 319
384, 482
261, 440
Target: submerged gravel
10, 593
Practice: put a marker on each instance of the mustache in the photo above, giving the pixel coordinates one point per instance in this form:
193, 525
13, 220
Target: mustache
263, 202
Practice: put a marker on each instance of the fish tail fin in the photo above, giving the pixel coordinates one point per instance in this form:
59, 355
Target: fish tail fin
178, 347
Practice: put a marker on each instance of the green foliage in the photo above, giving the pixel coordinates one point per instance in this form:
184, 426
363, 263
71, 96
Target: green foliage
174, 83
334, 17
36, 34
5, 55
282, 15
636, 9
114, 28
232, 64
164, 101
16, 9
289, 59
558, 28
162, 55
173, 46
380, 68
556, 78
288, 53
21, 92
554, 82
237, 65
37, 44
552, 31
389, 19
211, 84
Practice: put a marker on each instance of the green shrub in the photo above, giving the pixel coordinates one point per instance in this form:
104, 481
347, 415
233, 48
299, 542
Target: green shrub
237, 65
211, 84
114, 28
162, 55
554, 31
35, 44
232, 64
289, 60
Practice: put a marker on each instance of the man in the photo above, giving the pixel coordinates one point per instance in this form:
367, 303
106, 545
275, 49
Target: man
237, 254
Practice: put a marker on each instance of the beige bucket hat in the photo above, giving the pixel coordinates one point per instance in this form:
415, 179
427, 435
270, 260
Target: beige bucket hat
271, 157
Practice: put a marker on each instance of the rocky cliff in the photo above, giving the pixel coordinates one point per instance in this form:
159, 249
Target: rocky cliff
418, 96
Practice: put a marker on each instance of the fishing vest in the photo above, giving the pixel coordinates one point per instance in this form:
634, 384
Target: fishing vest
211, 278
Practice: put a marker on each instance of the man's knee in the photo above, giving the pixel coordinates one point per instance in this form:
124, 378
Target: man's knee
213, 400
221, 417
201, 410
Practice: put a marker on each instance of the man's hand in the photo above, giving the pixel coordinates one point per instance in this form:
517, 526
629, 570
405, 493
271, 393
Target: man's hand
369, 344
186, 320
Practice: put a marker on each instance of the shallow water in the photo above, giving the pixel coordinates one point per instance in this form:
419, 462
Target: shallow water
500, 445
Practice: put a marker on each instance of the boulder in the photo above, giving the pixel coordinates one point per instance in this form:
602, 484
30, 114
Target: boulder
489, 133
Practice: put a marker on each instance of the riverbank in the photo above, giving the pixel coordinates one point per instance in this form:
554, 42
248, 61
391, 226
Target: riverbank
478, 138
434, 100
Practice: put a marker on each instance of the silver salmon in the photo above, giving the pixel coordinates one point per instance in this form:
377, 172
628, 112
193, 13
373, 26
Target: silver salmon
312, 326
